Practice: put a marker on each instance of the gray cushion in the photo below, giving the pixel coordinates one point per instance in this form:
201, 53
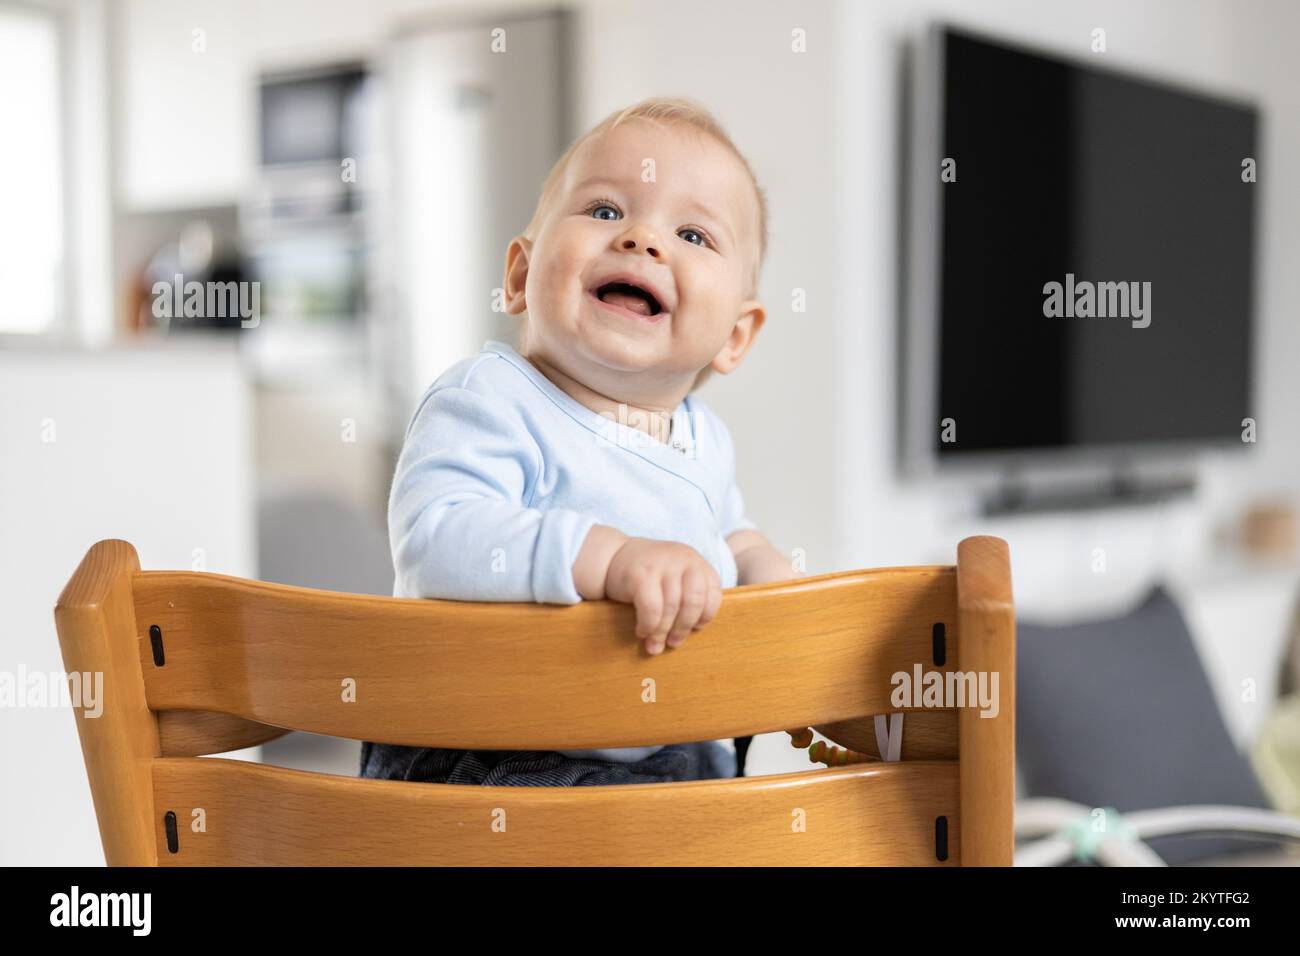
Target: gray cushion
1119, 713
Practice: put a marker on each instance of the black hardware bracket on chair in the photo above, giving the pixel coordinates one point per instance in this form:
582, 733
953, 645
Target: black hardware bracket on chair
155, 639
173, 840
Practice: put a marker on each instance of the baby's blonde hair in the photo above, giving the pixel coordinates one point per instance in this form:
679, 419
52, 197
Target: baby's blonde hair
656, 109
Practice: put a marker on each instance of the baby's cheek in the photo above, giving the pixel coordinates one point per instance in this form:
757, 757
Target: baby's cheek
569, 247
564, 275
546, 283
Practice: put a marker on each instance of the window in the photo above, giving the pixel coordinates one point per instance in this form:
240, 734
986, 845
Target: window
33, 253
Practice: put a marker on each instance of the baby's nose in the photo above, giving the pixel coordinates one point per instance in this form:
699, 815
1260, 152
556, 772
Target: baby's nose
631, 244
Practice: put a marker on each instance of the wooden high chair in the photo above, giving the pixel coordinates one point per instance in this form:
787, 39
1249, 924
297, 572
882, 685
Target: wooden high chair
198, 663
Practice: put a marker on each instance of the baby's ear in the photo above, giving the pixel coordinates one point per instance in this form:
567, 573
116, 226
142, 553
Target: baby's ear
742, 337
518, 255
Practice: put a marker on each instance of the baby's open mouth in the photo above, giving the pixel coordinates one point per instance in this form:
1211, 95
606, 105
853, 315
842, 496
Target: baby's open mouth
630, 297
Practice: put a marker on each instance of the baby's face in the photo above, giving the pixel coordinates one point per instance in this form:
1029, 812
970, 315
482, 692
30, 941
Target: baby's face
682, 227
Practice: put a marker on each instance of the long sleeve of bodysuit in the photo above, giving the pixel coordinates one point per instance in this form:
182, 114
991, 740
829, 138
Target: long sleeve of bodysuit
459, 519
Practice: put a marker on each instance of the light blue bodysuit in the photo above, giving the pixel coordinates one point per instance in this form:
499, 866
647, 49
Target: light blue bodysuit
503, 474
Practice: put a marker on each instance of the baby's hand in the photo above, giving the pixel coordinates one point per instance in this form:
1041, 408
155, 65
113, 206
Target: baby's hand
673, 587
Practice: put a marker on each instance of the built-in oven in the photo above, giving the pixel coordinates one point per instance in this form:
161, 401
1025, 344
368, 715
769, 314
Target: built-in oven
305, 226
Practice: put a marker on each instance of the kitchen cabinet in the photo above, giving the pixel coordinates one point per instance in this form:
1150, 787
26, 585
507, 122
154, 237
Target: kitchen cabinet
186, 103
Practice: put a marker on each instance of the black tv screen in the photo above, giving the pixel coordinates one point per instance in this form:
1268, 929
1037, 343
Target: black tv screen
1133, 197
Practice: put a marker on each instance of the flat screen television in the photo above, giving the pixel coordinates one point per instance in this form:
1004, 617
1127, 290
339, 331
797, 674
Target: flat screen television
1081, 258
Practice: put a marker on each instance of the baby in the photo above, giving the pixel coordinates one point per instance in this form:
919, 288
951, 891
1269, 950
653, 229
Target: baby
579, 466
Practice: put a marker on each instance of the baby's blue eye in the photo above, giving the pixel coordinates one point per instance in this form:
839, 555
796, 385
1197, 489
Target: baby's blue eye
692, 232
597, 209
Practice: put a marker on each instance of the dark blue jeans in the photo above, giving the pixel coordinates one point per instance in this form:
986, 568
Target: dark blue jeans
704, 760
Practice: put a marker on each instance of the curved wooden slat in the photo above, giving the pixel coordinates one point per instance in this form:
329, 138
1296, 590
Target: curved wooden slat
781, 655
853, 816
927, 735
194, 733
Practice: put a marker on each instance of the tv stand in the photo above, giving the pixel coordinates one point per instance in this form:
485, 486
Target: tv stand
1121, 489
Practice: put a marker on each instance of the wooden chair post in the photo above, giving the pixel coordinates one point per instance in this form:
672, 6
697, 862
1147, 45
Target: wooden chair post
95, 618
986, 643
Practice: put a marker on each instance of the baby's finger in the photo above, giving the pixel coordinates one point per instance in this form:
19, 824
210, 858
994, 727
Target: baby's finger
713, 601
695, 592
672, 597
648, 599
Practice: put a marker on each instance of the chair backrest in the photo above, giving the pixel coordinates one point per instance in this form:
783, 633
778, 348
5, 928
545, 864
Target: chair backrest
198, 663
